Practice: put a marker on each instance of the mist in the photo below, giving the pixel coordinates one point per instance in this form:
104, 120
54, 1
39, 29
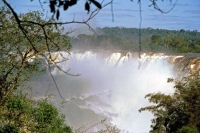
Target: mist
110, 85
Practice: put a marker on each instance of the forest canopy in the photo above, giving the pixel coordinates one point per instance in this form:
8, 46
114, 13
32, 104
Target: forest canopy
152, 40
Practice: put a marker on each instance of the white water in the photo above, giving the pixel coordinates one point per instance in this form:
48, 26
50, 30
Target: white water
112, 85
119, 84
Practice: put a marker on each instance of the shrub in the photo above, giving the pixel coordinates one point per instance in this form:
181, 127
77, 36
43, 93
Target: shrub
20, 113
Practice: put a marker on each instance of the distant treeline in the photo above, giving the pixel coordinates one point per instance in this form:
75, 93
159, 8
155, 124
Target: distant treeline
152, 40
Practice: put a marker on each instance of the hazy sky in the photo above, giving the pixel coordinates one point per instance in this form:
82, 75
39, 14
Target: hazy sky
185, 15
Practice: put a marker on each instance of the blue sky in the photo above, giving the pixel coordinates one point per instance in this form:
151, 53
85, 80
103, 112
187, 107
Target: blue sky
185, 15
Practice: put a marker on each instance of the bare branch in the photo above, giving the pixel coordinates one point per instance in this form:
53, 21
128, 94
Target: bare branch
55, 82
155, 5
19, 24
112, 11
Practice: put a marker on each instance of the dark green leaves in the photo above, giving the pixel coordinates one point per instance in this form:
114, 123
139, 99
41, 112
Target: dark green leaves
87, 7
52, 6
66, 5
57, 14
61, 3
55, 5
72, 2
178, 112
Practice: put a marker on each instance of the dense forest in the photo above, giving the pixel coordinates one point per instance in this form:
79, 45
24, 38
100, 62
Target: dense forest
152, 40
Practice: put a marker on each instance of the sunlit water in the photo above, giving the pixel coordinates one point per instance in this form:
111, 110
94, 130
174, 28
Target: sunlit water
111, 85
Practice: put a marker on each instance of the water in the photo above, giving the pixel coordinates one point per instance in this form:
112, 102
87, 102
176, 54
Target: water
112, 85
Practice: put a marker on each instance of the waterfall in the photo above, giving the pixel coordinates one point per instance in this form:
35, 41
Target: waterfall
113, 85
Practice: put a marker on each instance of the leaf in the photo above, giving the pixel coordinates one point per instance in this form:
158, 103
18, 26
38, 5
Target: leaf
96, 3
57, 14
87, 7
72, 2
60, 3
170, 80
66, 5
52, 6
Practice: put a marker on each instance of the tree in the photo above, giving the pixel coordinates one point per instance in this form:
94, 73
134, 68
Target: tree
21, 57
179, 112
18, 62
155, 39
21, 113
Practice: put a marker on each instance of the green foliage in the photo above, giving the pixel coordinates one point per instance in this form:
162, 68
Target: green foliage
22, 52
179, 112
152, 40
55, 5
20, 113
187, 129
22, 55
9, 129
45, 114
155, 38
